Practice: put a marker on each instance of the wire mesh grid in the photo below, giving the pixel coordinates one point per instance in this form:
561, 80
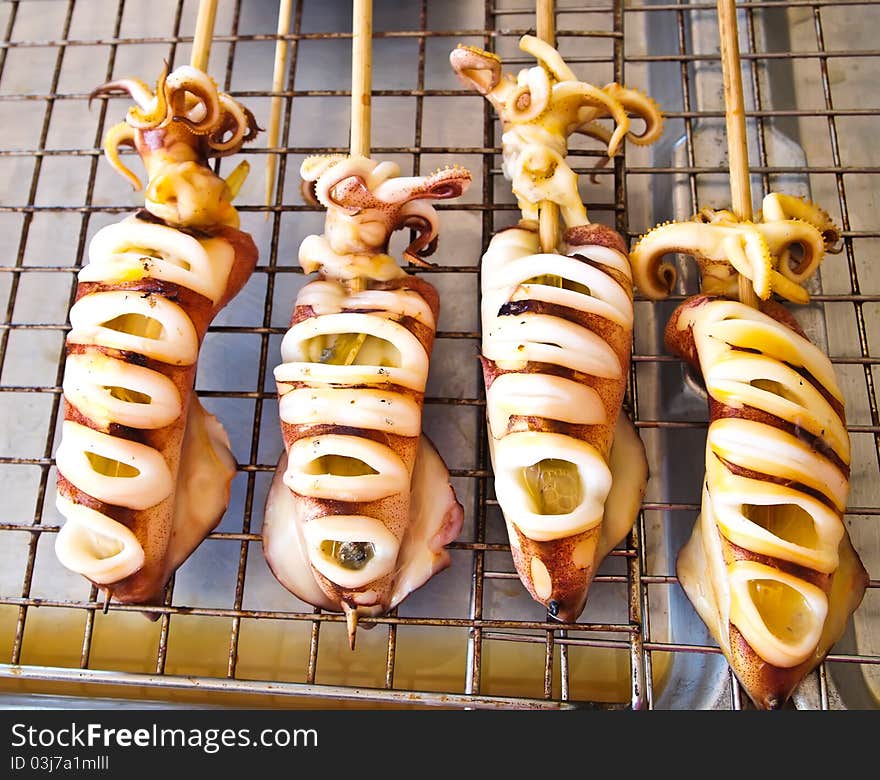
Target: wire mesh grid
482, 653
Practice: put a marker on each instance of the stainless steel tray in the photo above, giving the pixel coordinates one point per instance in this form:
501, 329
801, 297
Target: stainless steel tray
228, 634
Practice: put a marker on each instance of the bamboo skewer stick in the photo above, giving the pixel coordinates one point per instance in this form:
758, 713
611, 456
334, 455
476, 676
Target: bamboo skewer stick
201, 48
545, 27
285, 8
361, 76
361, 100
735, 118
548, 224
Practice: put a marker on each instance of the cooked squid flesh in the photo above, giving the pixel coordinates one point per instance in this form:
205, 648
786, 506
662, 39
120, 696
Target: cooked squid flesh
769, 566
143, 471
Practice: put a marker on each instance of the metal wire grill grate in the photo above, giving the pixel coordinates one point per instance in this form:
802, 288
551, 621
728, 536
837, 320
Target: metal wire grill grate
629, 648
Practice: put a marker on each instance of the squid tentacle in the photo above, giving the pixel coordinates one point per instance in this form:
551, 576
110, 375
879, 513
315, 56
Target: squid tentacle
190, 98
547, 56
600, 101
765, 252
539, 109
783, 236
532, 95
639, 105
121, 134
778, 206
155, 112
175, 130
195, 99
418, 216
234, 120
137, 89
749, 254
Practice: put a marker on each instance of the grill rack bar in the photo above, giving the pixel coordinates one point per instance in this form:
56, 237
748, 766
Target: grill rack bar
634, 635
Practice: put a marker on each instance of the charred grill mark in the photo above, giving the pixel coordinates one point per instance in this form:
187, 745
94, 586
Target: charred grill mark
817, 444
746, 350
295, 431
739, 471
422, 332
835, 404
491, 371
145, 215
157, 438
518, 422
736, 553
804, 374
514, 308
415, 395
191, 302
132, 358
603, 328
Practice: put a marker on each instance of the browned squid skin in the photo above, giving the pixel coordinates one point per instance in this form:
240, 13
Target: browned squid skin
392, 510
620, 340
681, 342
768, 685
152, 527
571, 583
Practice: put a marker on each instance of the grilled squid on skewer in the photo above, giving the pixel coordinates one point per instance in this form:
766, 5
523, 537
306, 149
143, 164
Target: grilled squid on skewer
539, 109
770, 567
570, 470
361, 498
143, 470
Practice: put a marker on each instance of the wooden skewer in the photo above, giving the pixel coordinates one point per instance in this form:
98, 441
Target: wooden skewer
285, 8
201, 49
361, 76
545, 22
735, 117
548, 224
351, 624
361, 100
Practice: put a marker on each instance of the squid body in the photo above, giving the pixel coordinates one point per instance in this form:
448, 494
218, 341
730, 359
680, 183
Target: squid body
143, 470
361, 506
769, 567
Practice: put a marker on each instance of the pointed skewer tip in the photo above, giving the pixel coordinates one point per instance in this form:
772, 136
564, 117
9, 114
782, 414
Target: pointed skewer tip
351, 620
